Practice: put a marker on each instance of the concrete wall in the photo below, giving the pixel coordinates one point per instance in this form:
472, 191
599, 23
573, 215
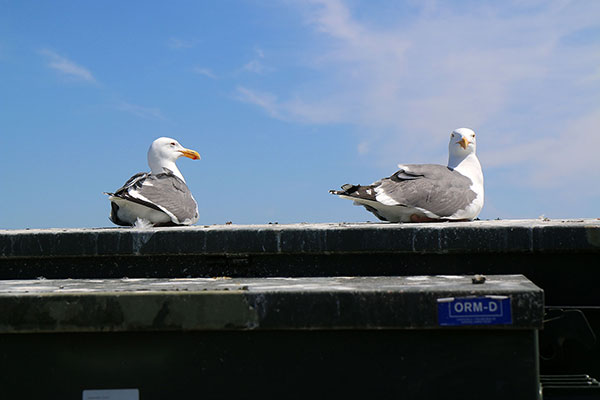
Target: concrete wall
561, 256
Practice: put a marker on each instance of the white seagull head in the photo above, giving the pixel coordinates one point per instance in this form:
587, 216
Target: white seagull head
164, 152
462, 143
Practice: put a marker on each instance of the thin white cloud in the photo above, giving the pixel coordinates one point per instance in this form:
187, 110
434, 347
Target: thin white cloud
67, 67
362, 148
293, 110
205, 71
142, 112
266, 101
256, 65
570, 156
178, 44
514, 71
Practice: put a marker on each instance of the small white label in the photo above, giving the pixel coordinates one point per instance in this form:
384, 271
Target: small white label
111, 394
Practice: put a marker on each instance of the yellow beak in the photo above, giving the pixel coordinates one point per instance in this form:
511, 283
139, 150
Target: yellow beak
463, 142
190, 154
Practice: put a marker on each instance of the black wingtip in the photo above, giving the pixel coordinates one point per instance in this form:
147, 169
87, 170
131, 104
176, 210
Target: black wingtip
346, 189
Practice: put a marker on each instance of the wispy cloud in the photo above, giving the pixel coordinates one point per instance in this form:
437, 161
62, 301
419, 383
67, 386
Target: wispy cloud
67, 67
546, 161
515, 71
142, 112
178, 44
256, 65
266, 101
295, 110
204, 71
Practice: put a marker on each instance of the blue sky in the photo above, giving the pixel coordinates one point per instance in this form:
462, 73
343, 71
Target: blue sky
287, 99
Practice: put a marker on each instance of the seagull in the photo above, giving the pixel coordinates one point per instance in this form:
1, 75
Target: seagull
427, 192
159, 197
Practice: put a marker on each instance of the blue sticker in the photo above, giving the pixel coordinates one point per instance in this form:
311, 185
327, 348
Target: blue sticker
487, 310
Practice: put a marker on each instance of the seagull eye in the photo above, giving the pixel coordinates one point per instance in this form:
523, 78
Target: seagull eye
172, 143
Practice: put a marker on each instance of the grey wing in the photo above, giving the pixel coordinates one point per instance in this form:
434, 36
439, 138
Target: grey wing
170, 194
435, 188
135, 180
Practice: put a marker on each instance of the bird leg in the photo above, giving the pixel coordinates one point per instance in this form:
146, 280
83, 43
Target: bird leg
422, 218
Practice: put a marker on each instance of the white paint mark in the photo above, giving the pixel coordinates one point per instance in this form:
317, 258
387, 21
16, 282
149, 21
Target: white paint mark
111, 394
417, 278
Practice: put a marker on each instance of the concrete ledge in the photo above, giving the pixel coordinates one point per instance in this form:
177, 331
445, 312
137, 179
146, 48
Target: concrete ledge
253, 304
528, 236
561, 256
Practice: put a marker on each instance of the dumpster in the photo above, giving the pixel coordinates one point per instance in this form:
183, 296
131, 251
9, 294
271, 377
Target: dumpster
430, 337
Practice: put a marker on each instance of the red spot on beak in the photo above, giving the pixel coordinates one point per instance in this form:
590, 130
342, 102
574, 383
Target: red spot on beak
190, 154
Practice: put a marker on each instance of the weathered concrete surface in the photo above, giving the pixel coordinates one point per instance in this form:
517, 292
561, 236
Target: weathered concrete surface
511, 236
560, 256
252, 303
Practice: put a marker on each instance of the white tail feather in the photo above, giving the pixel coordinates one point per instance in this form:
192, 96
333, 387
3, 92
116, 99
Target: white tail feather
142, 223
